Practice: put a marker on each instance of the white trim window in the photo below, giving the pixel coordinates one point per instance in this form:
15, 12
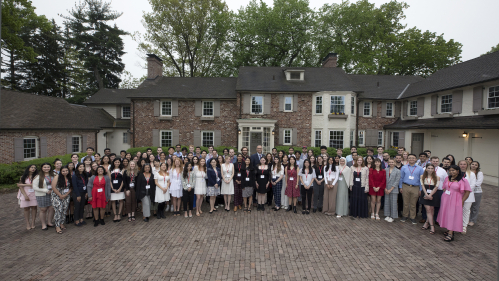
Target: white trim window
380, 138
165, 138
493, 97
317, 138
294, 75
288, 104
352, 134
166, 108
207, 138
367, 108
395, 139
446, 104
361, 138
208, 108
76, 144
125, 137
413, 108
337, 104
336, 139
256, 104
30, 148
318, 105
287, 137
389, 109
125, 112
352, 105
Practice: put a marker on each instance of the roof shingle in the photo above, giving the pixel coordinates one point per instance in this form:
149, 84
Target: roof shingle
110, 96
382, 86
463, 122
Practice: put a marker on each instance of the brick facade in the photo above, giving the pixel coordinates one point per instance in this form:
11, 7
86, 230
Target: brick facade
300, 118
186, 122
56, 142
375, 122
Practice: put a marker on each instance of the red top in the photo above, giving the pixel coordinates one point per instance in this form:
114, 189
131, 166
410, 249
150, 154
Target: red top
377, 178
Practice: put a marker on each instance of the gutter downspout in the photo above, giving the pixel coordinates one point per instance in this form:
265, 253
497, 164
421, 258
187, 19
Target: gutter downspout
357, 123
133, 123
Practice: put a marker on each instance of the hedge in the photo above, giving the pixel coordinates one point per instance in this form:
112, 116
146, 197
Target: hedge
10, 173
133, 151
332, 151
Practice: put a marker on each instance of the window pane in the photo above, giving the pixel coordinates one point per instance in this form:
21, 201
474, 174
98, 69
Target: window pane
413, 108
351, 138
246, 136
76, 144
337, 104
367, 108
336, 139
126, 112
361, 137
207, 108
389, 109
266, 140
395, 139
446, 104
318, 105
287, 136
318, 138
29, 148
352, 106
493, 99
257, 105
125, 137
287, 103
166, 108
166, 138
380, 138
294, 75
207, 139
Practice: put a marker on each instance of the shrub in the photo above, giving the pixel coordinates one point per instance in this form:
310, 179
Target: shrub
134, 150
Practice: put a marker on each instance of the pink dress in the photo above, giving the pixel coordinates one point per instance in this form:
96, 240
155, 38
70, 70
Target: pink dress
450, 215
31, 195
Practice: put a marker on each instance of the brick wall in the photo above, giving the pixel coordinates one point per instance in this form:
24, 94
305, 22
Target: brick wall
300, 118
56, 142
186, 122
375, 122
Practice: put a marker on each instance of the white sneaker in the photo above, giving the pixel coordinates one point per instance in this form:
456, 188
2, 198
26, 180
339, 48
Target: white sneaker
171, 209
338, 216
389, 219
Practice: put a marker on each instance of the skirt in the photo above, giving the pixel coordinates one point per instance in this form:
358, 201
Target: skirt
161, 197
247, 192
176, 192
435, 202
227, 188
32, 198
200, 188
212, 191
358, 202
44, 201
117, 196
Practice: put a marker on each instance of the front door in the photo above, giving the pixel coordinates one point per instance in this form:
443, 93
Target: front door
255, 140
417, 143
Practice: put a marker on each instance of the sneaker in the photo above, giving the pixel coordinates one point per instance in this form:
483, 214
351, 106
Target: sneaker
389, 220
171, 208
414, 221
403, 219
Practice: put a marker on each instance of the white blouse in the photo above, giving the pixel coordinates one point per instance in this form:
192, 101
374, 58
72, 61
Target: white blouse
331, 177
276, 175
306, 179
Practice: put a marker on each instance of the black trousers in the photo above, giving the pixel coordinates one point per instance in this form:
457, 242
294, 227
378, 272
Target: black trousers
187, 199
79, 207
270, 195
306, 196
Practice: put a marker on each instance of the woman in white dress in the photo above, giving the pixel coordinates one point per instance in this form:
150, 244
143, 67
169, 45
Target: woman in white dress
227, 183
176, 186
200, 188
117, 189
284, 197
162, 181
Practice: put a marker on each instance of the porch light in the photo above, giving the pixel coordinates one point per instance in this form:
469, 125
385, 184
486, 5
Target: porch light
239, 131
465, 134
273, 132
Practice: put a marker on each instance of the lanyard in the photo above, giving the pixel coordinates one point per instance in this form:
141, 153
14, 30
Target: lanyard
66, 182
48, 179
29, 180
358, 169
239, 167
412, 169
131, 176
247, 173
341, 172
306, 174
115, 175
227, 168
82, 180
389, 173
262, 171
188, 177
448, 184
431, 180
320, 170
216, 172
147, 179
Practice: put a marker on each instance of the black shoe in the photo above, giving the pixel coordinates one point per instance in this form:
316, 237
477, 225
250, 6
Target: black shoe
146, 219
269, 203
96, 223
314, 210
308, 212
320, 210
303, 211
67, 219
294, 209
83, 223
102, 222
289, 208
163, 214
263, 207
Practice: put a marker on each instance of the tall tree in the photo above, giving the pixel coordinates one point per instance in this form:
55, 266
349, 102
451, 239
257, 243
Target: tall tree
98, 45
371, 40
274, 36
189, 35
493, 49
19, 24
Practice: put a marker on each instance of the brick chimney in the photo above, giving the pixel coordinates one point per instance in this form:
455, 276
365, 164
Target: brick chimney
154, 66
330, 60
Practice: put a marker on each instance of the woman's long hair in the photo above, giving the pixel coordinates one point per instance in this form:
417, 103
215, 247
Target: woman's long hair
459, 174
26, 174
64, 181
294, 164
310, 168
433, 175
41, 174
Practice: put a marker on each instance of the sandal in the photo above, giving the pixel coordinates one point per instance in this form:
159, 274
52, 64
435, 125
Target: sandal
449, 238
425, 228
432, 232
58, 231
446, 233
129, 219
133, 218
377, 217
372, 216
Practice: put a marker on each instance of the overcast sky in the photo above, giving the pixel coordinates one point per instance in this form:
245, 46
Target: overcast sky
472, 23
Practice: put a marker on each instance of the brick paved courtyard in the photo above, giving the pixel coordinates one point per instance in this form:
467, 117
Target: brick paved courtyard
256, 246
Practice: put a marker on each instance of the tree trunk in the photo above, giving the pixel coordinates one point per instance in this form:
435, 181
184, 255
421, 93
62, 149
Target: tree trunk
98, 78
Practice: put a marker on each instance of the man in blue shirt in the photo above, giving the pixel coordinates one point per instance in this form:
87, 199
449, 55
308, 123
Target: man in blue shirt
350, 157
410, 187
423, 160
178, 151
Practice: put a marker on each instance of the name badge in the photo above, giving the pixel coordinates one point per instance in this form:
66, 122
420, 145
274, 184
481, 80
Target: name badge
227, 177
340, 178
447, 192
99, 190
115, 181
132, 184
31, 190
274, 177
411, 177
291, 178
428, 191
238, 174
49, 187
84, 188
247, 179
218, 179
262, 176
357, 179
319, 176
148, 186
188, 185
66, 190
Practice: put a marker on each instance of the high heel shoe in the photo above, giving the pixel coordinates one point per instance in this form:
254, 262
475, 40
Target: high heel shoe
294, 209
289, 209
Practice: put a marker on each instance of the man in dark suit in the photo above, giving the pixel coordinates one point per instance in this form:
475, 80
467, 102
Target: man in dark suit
255, 158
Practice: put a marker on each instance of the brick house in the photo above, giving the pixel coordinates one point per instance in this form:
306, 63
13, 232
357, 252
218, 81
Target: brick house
34, 126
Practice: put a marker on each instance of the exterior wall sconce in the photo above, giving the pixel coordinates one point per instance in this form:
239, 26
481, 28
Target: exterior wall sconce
239, 131
273, 132
465, 134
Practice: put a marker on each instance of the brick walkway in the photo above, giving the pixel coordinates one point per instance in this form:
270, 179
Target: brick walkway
256, 246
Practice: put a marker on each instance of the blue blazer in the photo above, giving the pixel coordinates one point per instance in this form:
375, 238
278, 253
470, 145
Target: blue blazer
212, 177
78, 184
255, 161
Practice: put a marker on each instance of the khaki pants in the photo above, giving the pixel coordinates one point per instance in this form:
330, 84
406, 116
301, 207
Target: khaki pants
410, 195
329, 201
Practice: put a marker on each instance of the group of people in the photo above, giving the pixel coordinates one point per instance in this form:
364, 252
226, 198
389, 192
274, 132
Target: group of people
448, 193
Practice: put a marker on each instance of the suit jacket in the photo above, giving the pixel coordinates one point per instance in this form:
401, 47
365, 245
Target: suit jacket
255, 161
392, 179
364, 177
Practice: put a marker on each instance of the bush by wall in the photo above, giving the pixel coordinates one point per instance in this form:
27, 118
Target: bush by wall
133, 151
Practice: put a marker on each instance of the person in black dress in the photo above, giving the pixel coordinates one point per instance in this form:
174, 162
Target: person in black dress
145, 190
247, 183
358, 184
262, 183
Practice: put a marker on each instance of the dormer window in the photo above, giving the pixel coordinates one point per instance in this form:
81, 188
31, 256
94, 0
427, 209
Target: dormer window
295, 75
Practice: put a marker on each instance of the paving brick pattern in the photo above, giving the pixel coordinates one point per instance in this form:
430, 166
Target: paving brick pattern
258, 246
